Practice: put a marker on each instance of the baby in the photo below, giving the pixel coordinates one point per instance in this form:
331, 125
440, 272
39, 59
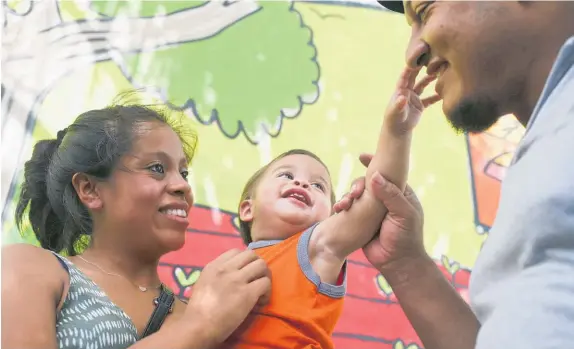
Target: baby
286, 217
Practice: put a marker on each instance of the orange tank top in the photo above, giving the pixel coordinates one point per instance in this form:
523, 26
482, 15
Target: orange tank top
302, 312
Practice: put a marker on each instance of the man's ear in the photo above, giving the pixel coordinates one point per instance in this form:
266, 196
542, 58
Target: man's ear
246, 210
86, 188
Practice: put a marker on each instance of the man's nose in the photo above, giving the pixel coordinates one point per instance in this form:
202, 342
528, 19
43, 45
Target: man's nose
418, 52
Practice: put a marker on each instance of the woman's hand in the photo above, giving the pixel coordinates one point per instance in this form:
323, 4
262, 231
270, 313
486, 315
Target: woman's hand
226, 292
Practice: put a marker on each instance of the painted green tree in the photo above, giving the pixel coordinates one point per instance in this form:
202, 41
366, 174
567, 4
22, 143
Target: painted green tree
242, 65
246, 78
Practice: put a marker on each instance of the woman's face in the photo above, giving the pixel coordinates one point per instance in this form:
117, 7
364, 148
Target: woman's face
148, 198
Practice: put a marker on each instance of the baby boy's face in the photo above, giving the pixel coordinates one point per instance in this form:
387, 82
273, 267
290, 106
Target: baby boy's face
296, 189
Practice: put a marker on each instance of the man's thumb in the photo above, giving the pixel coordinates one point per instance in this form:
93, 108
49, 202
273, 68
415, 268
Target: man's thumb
389, 194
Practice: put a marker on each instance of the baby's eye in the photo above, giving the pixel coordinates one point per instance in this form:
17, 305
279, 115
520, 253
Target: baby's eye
319, 186
185, 174
287, 175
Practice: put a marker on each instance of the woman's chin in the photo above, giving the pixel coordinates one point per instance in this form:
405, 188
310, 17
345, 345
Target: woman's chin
172, 240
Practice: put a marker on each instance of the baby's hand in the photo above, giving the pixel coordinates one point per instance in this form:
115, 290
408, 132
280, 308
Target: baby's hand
406, 106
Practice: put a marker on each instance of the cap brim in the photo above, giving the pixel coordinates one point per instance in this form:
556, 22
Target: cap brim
395, 6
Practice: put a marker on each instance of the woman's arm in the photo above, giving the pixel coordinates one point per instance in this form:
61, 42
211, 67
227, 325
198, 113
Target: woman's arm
229, 287
32, 286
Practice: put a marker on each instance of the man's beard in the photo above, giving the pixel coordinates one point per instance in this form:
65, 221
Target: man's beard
474, 115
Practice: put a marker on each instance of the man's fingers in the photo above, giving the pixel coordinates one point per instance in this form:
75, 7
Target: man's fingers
365, 159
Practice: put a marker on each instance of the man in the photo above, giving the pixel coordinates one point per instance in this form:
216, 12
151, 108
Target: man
492, 59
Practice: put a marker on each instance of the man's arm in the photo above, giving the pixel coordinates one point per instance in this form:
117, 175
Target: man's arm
440, 317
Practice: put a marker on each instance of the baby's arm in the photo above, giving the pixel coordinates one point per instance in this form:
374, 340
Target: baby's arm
340, 235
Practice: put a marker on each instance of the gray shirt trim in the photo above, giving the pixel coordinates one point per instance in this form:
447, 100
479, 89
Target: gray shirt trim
333, 291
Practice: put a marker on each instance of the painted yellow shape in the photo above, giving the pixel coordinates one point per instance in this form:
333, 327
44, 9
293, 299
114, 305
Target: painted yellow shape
504, 159
384, 285
184, 279
452, 267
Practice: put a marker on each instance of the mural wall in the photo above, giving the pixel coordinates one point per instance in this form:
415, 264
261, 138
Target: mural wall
257, 78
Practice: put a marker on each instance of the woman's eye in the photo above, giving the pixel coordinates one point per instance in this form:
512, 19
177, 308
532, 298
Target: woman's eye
286, 175
157, 168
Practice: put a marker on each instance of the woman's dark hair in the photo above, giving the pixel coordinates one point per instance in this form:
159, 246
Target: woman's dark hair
93, 144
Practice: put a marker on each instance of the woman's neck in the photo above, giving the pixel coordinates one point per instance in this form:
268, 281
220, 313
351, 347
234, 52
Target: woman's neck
122, 261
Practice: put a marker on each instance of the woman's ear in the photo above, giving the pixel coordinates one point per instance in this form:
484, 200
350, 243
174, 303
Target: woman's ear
86, 188
246, 210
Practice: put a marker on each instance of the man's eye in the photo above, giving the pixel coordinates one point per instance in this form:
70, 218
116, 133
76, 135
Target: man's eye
422, 12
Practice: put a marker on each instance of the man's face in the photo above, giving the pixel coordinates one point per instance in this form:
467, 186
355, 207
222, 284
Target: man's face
480, 52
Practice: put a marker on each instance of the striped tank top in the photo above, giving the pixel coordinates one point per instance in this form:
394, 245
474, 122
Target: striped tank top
88, 318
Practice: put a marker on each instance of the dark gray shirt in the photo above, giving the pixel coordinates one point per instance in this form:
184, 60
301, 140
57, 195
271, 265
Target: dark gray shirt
89, 319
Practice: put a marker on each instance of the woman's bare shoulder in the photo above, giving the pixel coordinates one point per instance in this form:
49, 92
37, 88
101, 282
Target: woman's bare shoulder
20, 260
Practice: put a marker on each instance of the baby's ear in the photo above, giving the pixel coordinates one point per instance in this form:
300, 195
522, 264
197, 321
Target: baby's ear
246, 210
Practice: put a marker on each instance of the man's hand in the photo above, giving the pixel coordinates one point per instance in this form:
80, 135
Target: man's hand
357, 188
400, 238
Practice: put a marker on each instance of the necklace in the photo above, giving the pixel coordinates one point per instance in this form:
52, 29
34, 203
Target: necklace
141, 288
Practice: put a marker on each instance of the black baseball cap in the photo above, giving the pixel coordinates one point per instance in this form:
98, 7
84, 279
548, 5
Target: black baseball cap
395, 6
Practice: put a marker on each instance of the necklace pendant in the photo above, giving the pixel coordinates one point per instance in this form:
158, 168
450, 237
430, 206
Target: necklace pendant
143, 289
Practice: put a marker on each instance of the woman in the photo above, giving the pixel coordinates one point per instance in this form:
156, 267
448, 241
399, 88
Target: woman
116, 177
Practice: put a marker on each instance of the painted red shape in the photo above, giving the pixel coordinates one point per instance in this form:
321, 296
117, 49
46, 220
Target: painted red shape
490, 154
